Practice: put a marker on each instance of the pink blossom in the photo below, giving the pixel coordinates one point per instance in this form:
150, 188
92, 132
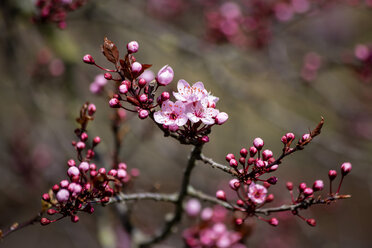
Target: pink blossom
193, 207
257, 193
200, 112
361, 52
171, 113
148, 75
212, 100
63, 195
189, 94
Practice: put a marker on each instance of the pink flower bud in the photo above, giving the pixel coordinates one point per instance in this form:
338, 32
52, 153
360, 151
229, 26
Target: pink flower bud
258, 143
80, 145
46, 197
102, 171
220, 194
96, 140
114, 103
269, 198
136, 67
63, 195
142, 114
165, 75
221, 118
361, 52
305, 137
332, 174
318, 185
64, 184
302, 187
91, 109
251, 161
92, 166
122, 166
234, 184
345, 168
121, 173
112, 172
308, 192
229, 157
311, 222
142, 82
242, 160
88, 59
233, 163
239, 221
55, 188
240, 202
143, 98
135, 172
51, 211
132, 47
93, 173
273, 221
108, 76
84, 166
272, 180
71, 162
284, 140
44, 221
206, 214
74, 218
266, 154
252, 151
73, 171
260, 163
173, 128
193, 207
243, 152
123, 89
290, 136
84, 136
204, 139
165, 96
274, 167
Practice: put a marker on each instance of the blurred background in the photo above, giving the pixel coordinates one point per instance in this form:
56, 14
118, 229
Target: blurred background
277, 67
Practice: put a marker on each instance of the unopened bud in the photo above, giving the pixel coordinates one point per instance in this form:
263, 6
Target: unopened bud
88, 59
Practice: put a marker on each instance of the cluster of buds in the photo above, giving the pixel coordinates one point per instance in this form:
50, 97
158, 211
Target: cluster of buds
86, 184
252, 195
56, 10
190, 117
211, 230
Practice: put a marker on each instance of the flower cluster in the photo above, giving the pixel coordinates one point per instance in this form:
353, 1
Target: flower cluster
191, 116
56, 10
211, 230
86, 184
252, 196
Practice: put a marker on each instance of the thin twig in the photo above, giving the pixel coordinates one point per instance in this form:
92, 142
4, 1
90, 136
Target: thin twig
222, 167
16, 226
144, 196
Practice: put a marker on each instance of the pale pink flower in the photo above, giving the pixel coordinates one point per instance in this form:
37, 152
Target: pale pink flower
212, 100
257, 193
171, 114
190, 94
200, 112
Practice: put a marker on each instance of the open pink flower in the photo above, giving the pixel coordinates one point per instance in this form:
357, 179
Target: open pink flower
257, 193
200, 112
190, 94
171, 114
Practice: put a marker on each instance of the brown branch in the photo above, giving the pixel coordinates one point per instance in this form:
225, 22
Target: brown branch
144, 196
16, 226
208, 198
177, 216
222, 167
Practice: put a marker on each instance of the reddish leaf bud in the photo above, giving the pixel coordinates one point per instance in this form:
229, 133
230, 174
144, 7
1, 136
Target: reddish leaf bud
258, 143
318, 185
273, 221
332, 174
88, 59
220, 194
132, 47
345, 168
243, 152
229, 157
311, 222
108, 76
